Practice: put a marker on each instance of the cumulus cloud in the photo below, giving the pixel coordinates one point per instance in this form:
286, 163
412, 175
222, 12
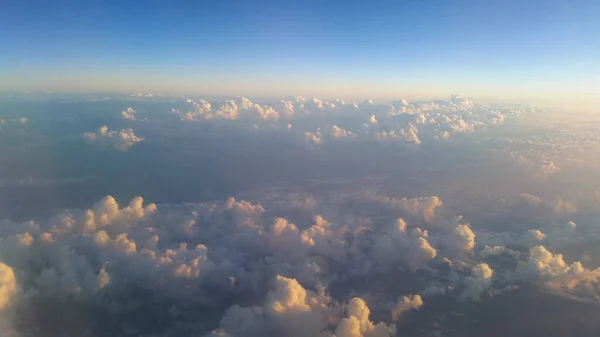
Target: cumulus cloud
552, 271
314, 137
8, 286
291, 310
240, 108
119, 139
399, 122
524, 240
408, 134
128, 113
197, 257
198, 254
538, 169
423, 207
406, 303
460, 240
479, 281
337, 132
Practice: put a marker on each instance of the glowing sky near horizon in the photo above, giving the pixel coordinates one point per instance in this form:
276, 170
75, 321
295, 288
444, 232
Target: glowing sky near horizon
532, 51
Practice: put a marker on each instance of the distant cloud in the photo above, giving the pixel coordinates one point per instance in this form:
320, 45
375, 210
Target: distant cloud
423, 207
314, 137
119, 139
128, 113
399, 122
337, 132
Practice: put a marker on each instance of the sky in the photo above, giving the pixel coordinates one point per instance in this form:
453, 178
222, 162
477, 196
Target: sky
531, 51
177, 177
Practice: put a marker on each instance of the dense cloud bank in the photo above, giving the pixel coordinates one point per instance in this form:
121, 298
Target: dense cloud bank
438, 218
261, 274
322, 120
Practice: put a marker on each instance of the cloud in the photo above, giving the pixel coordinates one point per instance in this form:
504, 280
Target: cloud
337, 132
408, 134
460, 240
423, 207
538, 169
314, 137
240, 108
129, 114
119, 139
479, 281
400, 122
291, 310
552, 271
406, 303
8, 286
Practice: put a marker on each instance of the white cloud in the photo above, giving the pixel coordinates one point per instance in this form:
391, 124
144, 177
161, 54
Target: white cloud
408, 134
406, 303
424, 207
314, 137
119, 139
398, 122
8, 286
291, 310
337, 132
479, 281
128, 113
552, 271
459, 241
240, 108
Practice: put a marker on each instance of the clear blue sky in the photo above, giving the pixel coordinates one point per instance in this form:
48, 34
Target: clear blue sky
487, 48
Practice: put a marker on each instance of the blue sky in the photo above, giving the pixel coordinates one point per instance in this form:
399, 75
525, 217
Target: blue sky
355, 49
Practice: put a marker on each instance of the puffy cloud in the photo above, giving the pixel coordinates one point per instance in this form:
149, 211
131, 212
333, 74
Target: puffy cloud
524, 240
488, 251
464, 238
314, 137
128, 113
408, 134
538, 170
8, 286
241, 108
556, 274
291, 310
398, 122
394, 246
337, 132
199, 255
479, 281
406, 303
457, 99
423, 207
194, 258
23, 120
357, 323
119, 139
460, 240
